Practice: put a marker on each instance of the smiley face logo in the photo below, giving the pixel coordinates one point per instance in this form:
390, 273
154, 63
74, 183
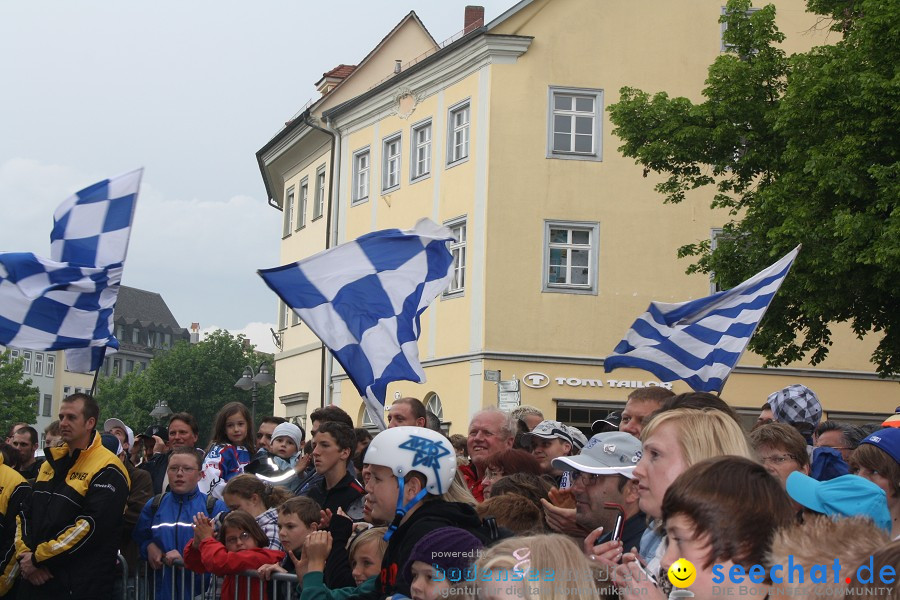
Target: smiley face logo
682, 573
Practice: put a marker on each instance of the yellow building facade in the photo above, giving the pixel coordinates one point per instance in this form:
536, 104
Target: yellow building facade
502, 134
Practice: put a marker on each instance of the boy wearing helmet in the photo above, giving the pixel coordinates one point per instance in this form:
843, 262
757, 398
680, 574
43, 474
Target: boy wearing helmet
411, 469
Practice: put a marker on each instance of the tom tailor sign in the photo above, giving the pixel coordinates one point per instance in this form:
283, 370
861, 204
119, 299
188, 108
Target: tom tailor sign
537, 381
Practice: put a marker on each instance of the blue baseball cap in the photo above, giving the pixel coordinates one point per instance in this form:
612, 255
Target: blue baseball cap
887, 440
844, 496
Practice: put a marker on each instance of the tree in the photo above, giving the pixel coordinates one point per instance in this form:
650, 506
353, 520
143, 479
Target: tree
800, 149
196, 378
18, 397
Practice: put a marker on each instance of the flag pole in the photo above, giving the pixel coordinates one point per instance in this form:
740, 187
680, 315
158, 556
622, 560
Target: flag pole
94, 383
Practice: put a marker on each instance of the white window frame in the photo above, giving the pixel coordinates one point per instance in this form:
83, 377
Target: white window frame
420, 151
596, 153
283, 320
51, 366
319, 206
39, 364
288, 212
362, 175
302, 203
458, 152
593, 228
391, 162
47, 405
458, 248
26, 362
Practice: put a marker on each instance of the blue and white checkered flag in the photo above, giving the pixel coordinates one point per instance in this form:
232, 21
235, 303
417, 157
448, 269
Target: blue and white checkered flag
92, 226
67, 302
48, 305
700, 341
363, 300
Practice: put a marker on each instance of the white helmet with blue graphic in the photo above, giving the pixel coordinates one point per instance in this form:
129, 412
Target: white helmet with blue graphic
405, 449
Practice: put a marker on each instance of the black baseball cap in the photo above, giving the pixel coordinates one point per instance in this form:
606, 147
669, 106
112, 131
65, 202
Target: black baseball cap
158, 430
608, 423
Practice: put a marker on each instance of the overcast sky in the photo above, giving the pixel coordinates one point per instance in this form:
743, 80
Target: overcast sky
189, 90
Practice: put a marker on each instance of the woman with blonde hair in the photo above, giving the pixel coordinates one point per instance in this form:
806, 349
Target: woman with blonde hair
673, 441
545, 567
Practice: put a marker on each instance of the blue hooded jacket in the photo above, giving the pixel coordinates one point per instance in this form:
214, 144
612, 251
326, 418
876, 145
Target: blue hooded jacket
170, 528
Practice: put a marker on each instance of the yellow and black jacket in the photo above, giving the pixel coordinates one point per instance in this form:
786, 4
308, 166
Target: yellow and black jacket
74, 520
14, 493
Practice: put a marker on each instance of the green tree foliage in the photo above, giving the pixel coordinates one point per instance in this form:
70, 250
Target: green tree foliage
799, 149
18, 397
196, 378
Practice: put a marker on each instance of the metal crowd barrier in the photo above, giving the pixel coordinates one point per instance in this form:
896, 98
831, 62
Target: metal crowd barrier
179, 583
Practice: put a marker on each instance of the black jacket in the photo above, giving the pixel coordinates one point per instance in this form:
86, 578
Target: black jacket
73, 522
346, 494
157, 466
430, 515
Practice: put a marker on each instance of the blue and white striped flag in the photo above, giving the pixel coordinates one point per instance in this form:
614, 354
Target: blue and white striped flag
363, 300
68, 302
700, 341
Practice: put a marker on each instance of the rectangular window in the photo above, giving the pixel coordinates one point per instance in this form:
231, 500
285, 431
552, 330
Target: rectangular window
288, 212
458, 250
26, 361
167, 340
51, 365
304, 200
67, 391
48, 405
129, 366
420, 163
117, 367
319, 206
13, 355
295, 318
136, 335
390, 163
574, 124
458, 134
284, 312
361, 175
570, 257
39, 363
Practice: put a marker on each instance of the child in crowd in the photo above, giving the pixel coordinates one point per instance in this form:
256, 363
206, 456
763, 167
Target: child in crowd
287, 441
165, 525
366, 553
239, 547
439, 562
412, 470
333, 446
297, 518
231, 448
246, 492
539, 567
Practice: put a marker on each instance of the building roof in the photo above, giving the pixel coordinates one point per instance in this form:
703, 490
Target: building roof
134, 305
339, 71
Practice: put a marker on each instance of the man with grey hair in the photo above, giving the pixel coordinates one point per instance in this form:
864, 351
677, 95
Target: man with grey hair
839, 436
490, 431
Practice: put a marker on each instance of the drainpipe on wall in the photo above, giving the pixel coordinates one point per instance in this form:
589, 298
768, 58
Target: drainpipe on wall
331, 206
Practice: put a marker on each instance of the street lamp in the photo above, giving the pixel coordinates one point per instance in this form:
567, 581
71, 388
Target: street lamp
161, 411
251, 379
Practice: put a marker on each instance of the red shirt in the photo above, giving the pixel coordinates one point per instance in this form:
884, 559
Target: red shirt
212, 557
473, 481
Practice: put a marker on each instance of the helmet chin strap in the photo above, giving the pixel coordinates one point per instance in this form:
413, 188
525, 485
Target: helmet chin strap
401, 508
